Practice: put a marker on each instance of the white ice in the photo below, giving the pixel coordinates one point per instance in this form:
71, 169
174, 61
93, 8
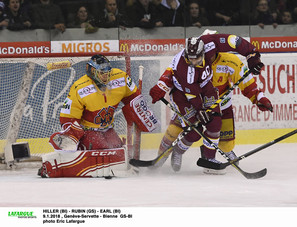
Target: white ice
165, 188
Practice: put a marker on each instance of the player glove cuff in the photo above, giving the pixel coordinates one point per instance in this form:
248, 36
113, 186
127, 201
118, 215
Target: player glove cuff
158, 91
254, 63
204, 117
263, 103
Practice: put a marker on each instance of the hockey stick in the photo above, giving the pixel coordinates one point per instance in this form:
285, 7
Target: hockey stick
147, 163
137, 131
247, 175
143, 163
207, 164
245, 75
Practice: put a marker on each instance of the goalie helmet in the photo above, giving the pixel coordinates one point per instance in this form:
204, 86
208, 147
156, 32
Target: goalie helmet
98, 69
194, 49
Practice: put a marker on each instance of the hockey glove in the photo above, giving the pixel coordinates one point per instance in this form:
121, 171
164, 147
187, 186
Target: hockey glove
157, 93
254, 63
165, 84
263, 103
204, 117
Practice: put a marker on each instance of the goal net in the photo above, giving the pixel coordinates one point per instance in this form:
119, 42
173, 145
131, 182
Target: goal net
32, 93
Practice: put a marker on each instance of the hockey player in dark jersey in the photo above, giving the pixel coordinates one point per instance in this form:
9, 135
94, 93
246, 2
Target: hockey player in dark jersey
192, 92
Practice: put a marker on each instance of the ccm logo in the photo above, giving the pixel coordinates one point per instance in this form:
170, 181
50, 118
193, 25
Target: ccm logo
226, 133
103, 153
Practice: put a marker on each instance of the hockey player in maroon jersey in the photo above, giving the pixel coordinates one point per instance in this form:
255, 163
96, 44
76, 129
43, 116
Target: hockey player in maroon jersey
192, 92
87, 119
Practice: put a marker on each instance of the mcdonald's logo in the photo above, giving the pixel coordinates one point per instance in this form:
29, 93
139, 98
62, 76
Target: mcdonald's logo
256, 44
124, 47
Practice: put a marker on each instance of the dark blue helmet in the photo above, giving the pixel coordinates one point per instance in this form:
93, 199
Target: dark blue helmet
98, 69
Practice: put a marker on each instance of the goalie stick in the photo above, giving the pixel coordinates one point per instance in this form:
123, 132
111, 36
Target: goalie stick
211, 165
142, 163
247, 175
137, 131
133, 132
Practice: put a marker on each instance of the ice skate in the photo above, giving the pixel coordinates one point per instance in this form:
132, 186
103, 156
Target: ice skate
176, 161
232, 156
203, 149
214, 171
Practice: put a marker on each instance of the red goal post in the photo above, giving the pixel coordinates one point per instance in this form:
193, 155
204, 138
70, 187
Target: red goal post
33, 89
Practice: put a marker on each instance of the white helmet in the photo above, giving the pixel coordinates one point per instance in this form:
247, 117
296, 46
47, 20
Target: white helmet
209, 32
194, 47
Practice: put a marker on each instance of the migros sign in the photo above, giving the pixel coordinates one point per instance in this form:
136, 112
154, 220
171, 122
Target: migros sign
87, 46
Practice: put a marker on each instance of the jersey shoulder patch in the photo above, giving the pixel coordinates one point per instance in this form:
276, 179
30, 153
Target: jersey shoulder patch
130, 84
234, 41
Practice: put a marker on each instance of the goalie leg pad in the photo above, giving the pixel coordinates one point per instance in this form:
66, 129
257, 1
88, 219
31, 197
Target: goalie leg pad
139, 113
91, 163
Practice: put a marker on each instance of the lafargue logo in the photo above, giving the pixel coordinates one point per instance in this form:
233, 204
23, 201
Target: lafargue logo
21, 214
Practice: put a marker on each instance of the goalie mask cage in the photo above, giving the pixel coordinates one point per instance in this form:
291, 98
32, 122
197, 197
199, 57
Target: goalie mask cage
32, 96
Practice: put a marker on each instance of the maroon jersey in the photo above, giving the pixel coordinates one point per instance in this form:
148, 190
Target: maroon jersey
224, 42
195, 82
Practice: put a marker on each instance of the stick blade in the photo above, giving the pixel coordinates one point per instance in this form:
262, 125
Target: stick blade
218, 166
140, 163
256, 175
210, 165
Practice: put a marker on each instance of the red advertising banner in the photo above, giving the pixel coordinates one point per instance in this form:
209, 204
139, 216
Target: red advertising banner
24, 49
275, 44
146, 47
143, 47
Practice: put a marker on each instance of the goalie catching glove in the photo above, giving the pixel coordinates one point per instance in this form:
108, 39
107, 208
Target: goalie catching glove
68, 138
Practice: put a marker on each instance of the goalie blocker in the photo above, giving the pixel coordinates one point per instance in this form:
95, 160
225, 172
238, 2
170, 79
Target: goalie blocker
139, 113
66, 161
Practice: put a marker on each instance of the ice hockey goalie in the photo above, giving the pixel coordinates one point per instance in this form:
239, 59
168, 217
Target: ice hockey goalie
88, 145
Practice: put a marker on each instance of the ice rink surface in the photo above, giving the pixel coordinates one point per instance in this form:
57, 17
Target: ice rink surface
189, 188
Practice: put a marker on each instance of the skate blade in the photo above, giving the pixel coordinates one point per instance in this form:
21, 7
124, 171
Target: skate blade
214, 171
